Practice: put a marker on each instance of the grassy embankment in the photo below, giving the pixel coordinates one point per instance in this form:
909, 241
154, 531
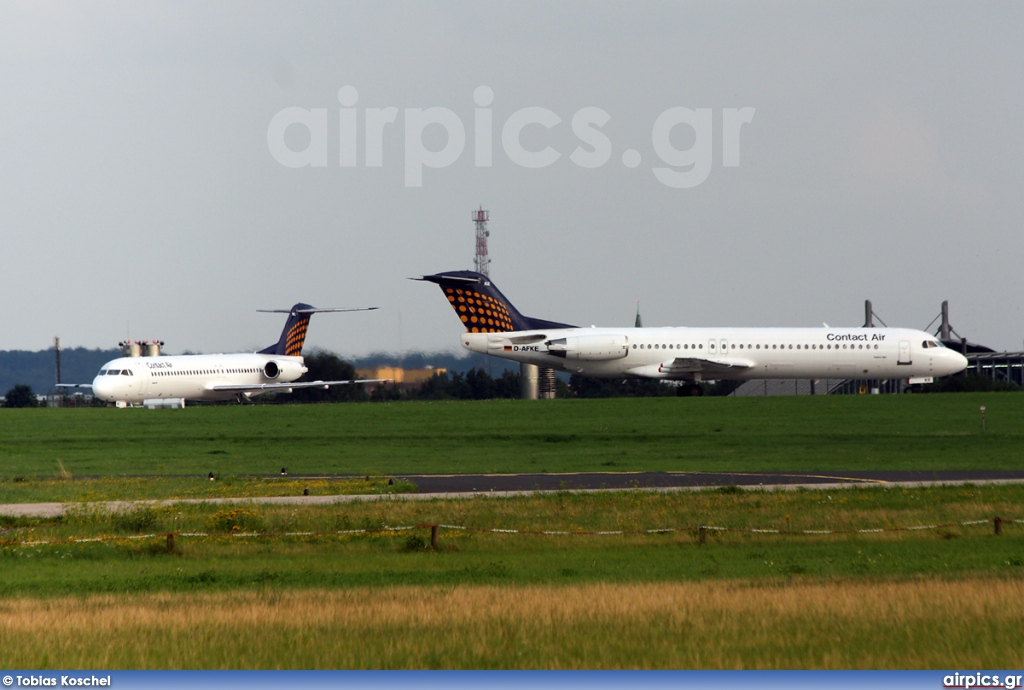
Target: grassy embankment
320, 556
625, 435
939, 598
972, 623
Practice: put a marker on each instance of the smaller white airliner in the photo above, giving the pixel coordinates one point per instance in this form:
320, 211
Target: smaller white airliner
145, 380
690, 355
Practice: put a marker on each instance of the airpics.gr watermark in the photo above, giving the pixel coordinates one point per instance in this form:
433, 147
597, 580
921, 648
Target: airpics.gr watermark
680, 168
978, 679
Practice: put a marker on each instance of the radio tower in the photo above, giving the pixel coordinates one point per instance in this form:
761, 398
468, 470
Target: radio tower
480, 217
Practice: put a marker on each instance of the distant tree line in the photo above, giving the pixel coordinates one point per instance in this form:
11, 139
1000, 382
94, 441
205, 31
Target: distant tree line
20, 395
967, 382
474, 384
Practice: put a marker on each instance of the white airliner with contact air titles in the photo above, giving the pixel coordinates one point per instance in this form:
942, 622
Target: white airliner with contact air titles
135, 380
690, 355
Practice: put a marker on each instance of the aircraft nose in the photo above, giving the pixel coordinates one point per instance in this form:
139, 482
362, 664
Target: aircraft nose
101, 388
957, 363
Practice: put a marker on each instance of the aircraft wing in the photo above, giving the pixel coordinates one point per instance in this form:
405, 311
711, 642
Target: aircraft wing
245, 388
702, 365
74, 385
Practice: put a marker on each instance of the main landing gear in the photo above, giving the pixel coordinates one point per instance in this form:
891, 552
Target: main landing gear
692, 390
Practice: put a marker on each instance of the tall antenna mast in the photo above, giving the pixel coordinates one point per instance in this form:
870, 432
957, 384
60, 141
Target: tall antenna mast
56, 352
483, 262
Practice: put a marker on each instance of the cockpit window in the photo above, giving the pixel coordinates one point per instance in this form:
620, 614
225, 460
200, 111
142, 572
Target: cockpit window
103, 372
126, 372
931, 343
113, 372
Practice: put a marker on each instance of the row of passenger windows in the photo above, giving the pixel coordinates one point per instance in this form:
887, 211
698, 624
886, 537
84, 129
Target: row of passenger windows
179, 372
734, 346
198, 372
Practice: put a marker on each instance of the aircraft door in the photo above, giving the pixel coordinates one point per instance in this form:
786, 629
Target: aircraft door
904, 357
143, 375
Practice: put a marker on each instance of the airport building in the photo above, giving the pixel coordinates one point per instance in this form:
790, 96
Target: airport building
403, 378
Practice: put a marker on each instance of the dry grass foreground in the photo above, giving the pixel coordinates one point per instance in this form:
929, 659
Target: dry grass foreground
972, 623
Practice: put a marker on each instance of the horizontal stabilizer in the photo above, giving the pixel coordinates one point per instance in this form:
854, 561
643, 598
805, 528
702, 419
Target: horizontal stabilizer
312, 310
294, 334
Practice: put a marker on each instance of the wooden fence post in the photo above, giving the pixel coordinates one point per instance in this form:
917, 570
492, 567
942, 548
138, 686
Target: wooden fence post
999, 525
433, 536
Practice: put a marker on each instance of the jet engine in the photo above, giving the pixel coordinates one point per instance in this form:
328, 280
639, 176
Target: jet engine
291, 370
594, 348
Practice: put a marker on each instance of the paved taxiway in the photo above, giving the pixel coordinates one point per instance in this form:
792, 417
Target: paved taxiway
475, 483
435, 486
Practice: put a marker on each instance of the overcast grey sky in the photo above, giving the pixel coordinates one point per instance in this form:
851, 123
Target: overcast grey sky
141, 196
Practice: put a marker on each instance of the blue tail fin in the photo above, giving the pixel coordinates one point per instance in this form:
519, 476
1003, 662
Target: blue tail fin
480, 305
294, 334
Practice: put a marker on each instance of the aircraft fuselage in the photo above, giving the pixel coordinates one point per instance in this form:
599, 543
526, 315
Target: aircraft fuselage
134, 380
695, 354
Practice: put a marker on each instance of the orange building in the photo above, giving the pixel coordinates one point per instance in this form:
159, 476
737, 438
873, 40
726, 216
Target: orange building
401, 377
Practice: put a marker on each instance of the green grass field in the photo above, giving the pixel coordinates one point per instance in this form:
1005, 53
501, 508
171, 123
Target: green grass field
951, 596
297, 547
653, 434
929, 598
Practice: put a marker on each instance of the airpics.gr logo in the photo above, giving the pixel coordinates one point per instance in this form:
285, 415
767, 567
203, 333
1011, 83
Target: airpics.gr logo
678, 168
966, 681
